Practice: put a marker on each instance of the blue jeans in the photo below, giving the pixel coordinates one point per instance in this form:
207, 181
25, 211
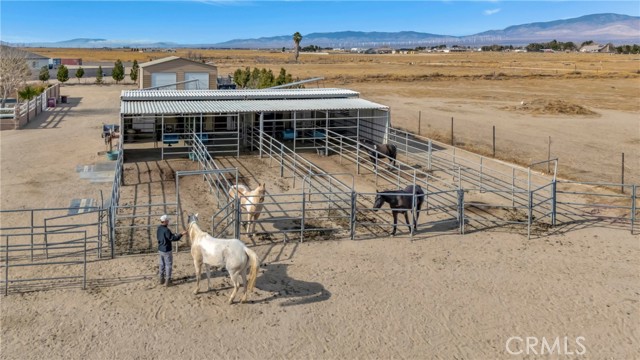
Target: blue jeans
166, 263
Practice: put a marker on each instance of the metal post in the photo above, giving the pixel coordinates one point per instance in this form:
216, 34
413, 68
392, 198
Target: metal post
513, 186
634, 195
341, 150
549, 157
238, 216
426, 197
461, 211
31, 235
6, 266
358, 143
452, 131
529, 206
419, 121
304, 204
413, 207
481, 157
261, 132
84, 261
281, 160
459, 177
406, 145
429, 147
353, 216
622, 187
553, 203
494, 141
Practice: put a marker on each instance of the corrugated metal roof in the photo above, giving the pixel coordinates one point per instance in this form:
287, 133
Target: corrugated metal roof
245, 94
243, 106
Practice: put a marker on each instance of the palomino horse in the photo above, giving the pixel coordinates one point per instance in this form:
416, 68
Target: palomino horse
381, 151
232, 254
400, 201
251, 202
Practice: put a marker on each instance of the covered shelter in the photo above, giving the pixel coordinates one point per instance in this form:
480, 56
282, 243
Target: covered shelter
227, 121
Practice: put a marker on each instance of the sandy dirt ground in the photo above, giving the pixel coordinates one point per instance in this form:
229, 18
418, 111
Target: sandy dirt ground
444, 297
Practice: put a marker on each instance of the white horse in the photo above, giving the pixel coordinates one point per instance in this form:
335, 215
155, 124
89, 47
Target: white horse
232, 254
251, 202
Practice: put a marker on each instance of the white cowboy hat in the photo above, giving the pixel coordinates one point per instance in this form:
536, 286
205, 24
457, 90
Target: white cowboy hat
164, 218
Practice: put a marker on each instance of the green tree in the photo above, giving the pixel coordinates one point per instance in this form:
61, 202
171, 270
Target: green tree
588, 42
44, 74
79, 73
63, 74
99, 75
27, 93
118, 71
282, 77
297, 38
133, 74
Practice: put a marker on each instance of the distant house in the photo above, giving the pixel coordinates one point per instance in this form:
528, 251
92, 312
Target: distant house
34, 61
173, 73
597, 48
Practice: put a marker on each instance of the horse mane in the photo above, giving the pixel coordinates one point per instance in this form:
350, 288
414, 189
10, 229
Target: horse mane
197, 232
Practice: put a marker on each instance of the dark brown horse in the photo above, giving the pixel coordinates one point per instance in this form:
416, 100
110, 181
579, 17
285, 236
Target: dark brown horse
380, 151
401, 201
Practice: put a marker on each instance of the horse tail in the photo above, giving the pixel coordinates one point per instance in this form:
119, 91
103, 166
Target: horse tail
253, 272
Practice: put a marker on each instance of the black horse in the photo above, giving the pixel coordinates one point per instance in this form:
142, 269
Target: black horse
401, 200
382, 151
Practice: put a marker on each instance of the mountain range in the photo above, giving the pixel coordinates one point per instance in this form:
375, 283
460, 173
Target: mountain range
602, 28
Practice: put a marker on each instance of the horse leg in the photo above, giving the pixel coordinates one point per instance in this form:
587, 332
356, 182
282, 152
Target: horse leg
395, 222
207, 268
234, 281
198, 265
243, 273
406, 219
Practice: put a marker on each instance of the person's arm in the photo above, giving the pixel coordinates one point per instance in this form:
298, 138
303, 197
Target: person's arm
177, 237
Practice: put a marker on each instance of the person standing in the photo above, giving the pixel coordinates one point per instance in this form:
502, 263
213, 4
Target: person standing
165, 238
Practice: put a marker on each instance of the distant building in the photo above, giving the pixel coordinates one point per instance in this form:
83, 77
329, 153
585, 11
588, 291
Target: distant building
34, 61
172, 72
597, 48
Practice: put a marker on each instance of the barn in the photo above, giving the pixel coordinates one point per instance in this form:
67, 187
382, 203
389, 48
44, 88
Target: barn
176, 73
160, 123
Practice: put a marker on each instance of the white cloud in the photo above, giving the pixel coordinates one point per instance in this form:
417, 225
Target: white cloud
491, 11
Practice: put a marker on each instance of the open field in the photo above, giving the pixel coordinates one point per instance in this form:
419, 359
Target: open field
447, 297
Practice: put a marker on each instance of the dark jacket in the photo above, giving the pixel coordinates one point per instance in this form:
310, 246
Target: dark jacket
165, 237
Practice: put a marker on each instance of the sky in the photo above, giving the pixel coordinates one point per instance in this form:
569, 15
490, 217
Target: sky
215, 21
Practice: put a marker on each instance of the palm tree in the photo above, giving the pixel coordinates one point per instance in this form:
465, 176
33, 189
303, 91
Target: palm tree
296, 39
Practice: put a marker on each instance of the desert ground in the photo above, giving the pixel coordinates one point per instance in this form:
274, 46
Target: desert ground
442, 297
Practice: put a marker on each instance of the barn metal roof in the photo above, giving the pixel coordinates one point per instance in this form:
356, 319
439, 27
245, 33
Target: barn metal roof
243, 106
249, 94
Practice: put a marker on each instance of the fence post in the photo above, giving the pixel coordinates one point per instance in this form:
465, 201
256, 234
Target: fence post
513, 186
238, 216
494, 141
281, 160
634, 195
31, 235
553, 202
353, 216
461, 211
406, 145
358, 157
452, 131
6, 266
84, 261
304, 205
429, 158
414, 219
622, 186
481, 157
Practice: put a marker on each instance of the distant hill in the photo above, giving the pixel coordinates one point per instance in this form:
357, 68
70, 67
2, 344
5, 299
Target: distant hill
602, 28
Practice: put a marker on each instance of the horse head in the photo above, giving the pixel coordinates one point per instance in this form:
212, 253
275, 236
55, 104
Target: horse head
261, 190
377, 204
192, 219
